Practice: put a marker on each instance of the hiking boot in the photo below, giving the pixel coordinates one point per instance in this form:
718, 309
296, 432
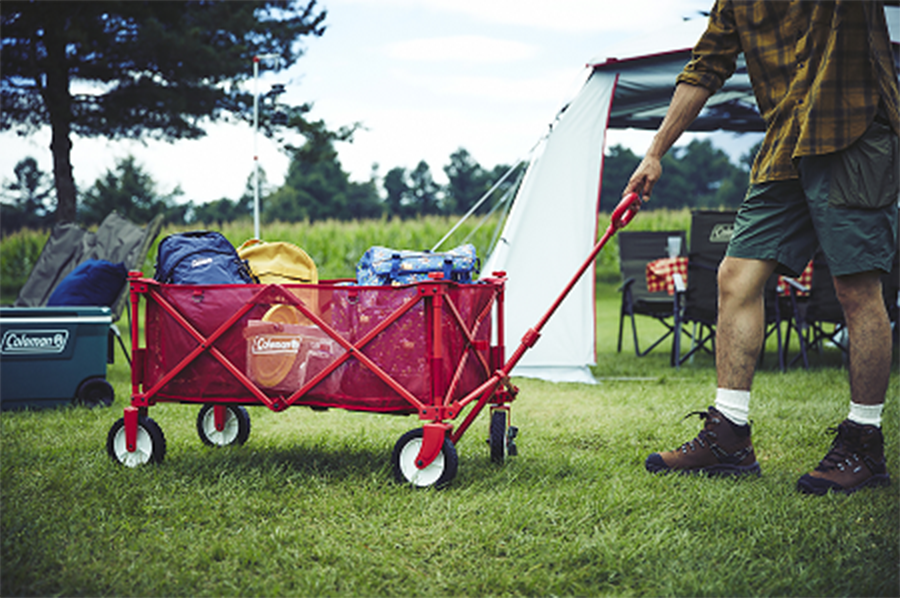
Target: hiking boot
855, 460
722, 448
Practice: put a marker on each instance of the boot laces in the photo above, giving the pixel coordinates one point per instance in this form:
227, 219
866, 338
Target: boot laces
708, 437
705, 436
841, 455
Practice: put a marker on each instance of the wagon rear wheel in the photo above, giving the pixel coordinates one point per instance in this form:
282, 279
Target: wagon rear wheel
235, 431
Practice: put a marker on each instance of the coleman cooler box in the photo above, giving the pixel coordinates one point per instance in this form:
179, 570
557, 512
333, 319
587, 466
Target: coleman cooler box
52, 356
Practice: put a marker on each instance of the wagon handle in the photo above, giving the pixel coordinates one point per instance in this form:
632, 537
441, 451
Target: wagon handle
625, 211
621, 216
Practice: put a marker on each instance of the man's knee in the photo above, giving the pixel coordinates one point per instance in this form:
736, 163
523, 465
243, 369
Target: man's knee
743, 279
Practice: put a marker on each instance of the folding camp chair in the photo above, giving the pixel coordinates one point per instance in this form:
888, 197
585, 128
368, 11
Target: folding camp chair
890, 287
783, 306
636, 250
116, 240
710, 233
823, 316
773, 319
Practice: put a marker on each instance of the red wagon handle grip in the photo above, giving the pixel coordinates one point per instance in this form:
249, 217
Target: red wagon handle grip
625, 211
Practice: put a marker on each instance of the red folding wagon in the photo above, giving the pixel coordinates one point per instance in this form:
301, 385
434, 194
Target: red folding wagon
434, 349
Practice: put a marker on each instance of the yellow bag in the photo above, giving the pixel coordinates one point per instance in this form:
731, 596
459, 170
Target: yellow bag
283, 263
278, 262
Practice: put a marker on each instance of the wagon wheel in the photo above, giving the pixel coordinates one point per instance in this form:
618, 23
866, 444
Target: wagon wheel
150, 446
235, 431
497, 437
95, 392
439, 473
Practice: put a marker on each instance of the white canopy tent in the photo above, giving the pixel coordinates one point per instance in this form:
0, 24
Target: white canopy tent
553, 225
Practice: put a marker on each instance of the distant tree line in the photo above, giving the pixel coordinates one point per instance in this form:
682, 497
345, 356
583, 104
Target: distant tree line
697, 175
315, 188
29, 200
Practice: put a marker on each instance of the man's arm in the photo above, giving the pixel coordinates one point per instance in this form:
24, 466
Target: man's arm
686, 104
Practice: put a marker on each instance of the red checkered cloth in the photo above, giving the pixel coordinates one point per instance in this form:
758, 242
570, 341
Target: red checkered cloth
805, 279
659, 275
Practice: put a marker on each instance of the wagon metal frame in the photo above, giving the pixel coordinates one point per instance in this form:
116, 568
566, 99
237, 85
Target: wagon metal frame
423, 456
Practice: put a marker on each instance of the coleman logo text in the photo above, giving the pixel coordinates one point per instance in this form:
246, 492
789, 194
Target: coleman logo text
721, 233
21, 342
268, 345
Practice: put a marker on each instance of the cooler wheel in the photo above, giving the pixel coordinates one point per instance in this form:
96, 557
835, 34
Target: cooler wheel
95, 392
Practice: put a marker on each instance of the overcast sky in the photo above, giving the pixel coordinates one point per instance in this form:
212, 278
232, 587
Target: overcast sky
422, 77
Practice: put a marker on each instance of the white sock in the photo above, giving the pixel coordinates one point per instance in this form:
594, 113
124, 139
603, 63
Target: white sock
734, 404
866, 415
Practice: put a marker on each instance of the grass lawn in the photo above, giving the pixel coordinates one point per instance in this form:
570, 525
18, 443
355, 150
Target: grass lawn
307, 506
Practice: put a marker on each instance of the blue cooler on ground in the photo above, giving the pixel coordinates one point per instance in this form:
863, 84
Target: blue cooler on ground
52, 356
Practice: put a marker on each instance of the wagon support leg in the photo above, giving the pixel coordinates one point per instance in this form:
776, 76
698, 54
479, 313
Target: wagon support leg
433, 436
131, 427
497, 390
220, 415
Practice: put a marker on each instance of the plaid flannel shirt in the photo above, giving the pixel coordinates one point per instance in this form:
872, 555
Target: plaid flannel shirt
819, 71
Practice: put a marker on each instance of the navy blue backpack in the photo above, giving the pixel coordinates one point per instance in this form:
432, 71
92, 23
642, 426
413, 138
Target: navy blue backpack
200, 257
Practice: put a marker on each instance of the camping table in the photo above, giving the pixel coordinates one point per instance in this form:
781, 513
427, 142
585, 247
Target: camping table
660, 275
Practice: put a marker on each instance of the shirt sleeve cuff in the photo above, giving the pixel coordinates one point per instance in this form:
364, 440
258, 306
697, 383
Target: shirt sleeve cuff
710, 81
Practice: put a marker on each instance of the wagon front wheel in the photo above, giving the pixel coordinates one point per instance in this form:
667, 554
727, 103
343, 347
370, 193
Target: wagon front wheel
149, 448
438, 473
502, 436
497, 438
235, 428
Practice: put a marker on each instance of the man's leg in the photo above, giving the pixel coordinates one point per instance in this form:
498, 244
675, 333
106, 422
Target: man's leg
723, 447
869, 333
856, 458
740, 331
852, 197
740, 328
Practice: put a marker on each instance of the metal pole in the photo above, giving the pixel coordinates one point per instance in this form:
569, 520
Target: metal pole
256, 60
255, 152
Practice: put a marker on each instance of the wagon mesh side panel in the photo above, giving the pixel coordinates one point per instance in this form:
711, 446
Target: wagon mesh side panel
281, 350
399, 349
473, 303
168, 343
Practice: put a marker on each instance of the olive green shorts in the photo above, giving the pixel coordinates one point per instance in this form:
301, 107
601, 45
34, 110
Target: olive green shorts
850, 212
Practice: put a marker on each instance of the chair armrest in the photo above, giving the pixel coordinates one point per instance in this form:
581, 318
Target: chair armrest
626, 284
